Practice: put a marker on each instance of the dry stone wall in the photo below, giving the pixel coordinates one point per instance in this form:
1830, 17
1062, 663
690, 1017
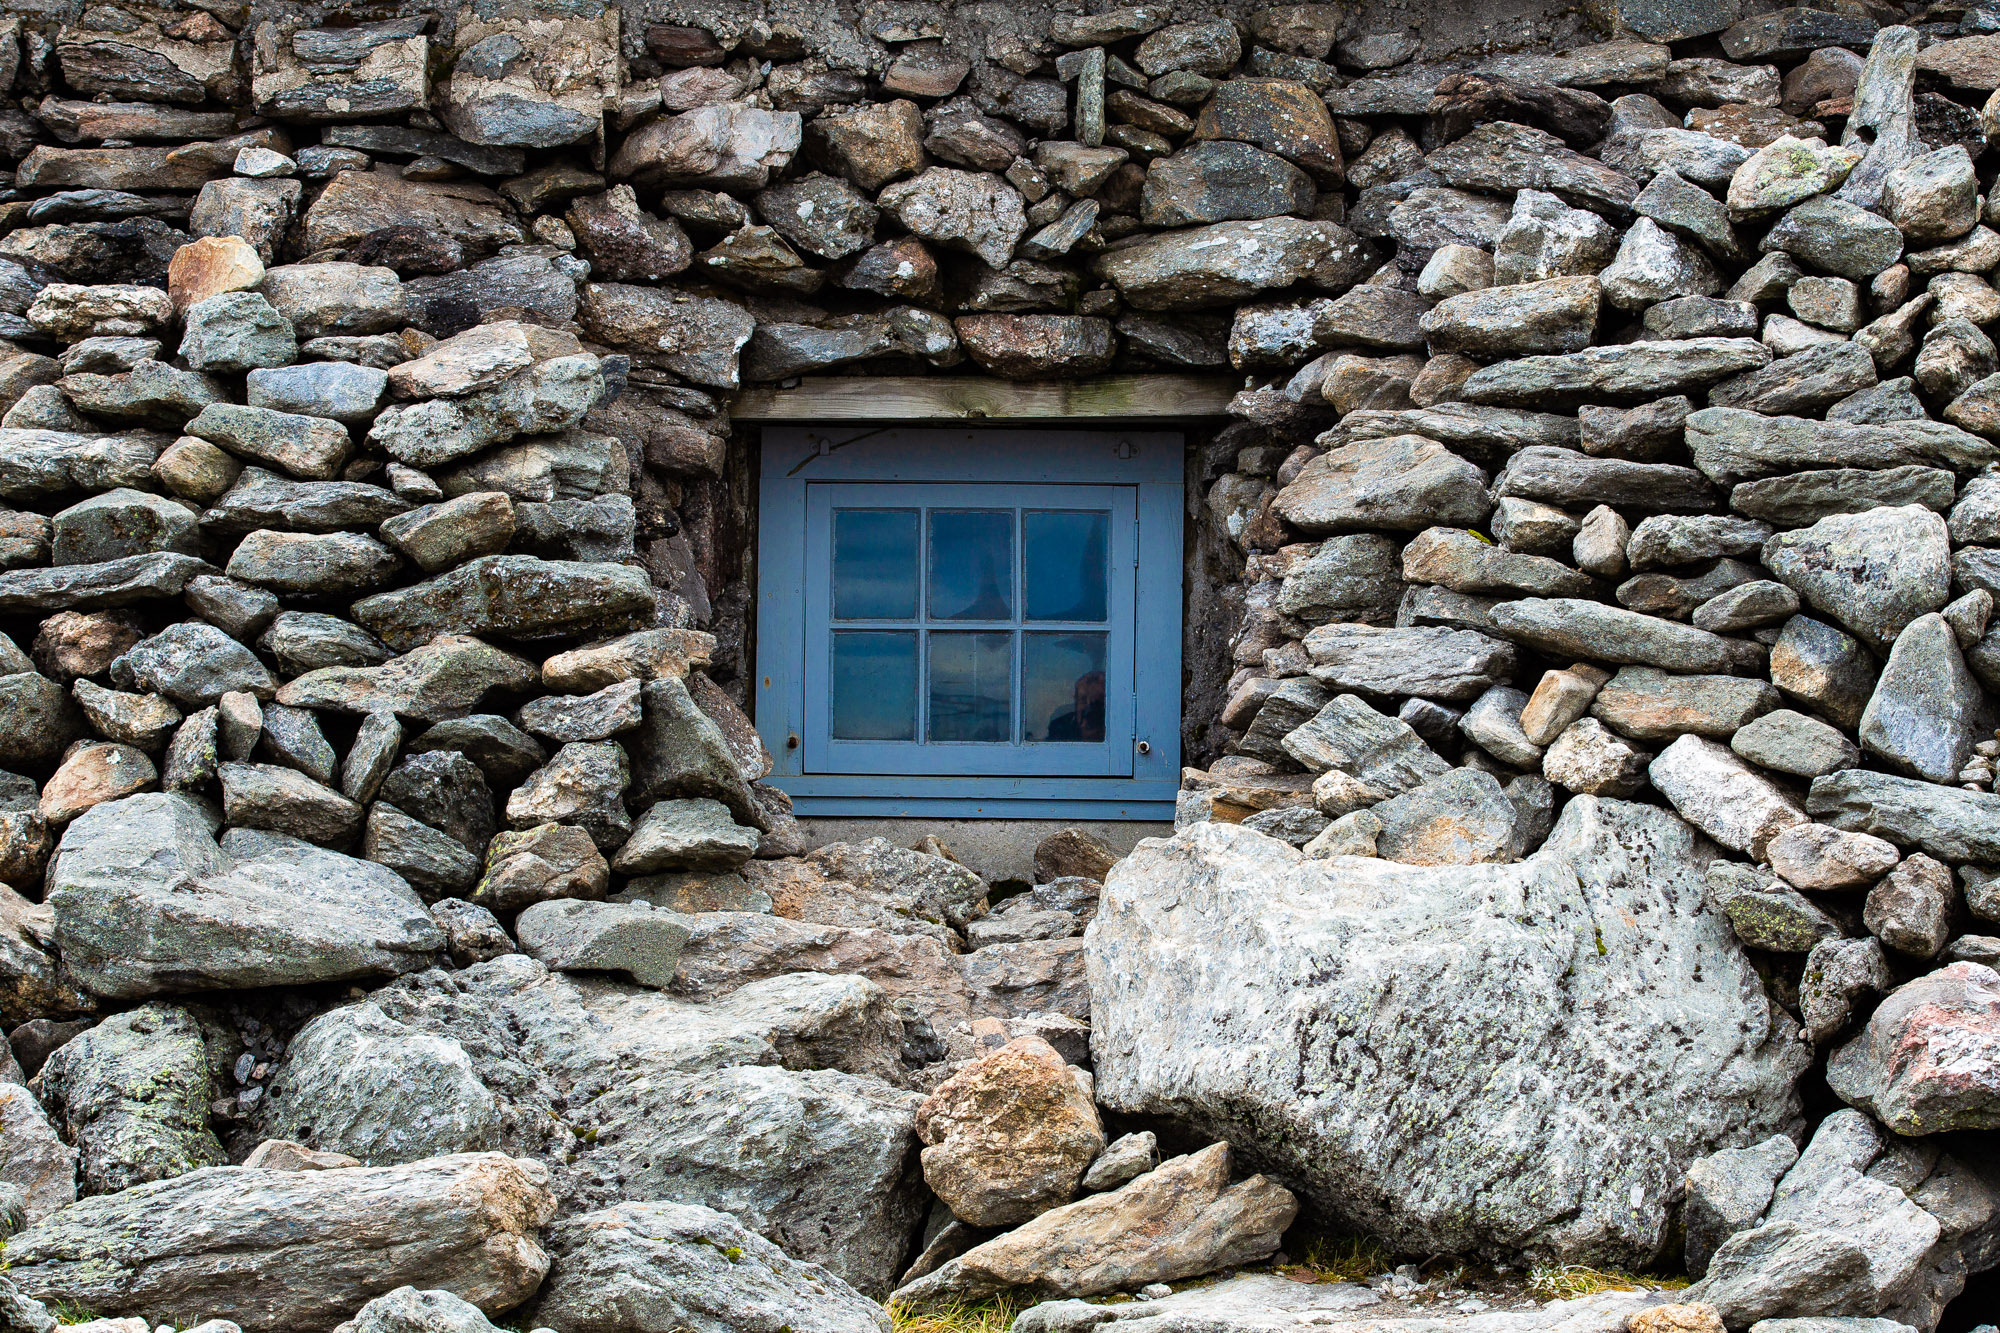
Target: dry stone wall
1590, 635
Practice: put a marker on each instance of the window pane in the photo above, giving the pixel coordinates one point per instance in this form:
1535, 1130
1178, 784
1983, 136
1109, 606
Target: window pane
972, 564
971, 686
1062, 687
875, 564
874, 686
1064, 550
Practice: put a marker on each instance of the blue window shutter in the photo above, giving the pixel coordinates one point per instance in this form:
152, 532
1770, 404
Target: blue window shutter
1019, 708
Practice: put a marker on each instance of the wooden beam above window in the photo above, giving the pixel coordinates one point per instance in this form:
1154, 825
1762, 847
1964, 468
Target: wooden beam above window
977, 398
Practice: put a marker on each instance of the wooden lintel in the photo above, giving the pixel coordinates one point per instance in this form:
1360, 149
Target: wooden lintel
977, 398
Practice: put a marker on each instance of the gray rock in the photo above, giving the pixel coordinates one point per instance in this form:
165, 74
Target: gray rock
1838, 974
668, 1265
1664, 541
1345, 578
1794, 743
376, 741
1654, 265
1227, 263
192, 663
1838, 237
689, 834
1462, 818
244, 929
545, 862
1554, 315
407, 1310
1874, 572
1722, 796
439, 536
305, 641
133, 1094
1910, 908
503, 752
1804, 498
1948, 823
1222, 181
1432, 663
316, 1243
1402, 482
343, 391
680, 751
262, 499
1732, 445
1192, 1219
288, 803
1691, 211
1923, 715
1891, 400
1288, 912
1728, 1191
1750, 605
1622, 374
1767, 913
356, 1081
312, 448
447, 791
120, 523
583, 784
431, 862
38, 719
445, 678
1824, 668
1803, 382
513, 595
1348, 736
312, 564
1644, 703
1572, 628
121, 582
234, 332
1546, 238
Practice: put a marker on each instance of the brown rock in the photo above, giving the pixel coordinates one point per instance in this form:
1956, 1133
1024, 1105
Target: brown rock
359, 202
1694, 1317
1026, 347
1465, 101
79, 643
1178, 1220
210, 266
92, 773
1072, 852
871, 145
623, 242
1009, 1136
1282, 117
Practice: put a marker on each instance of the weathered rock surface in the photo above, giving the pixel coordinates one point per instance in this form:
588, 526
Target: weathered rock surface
1337, 1143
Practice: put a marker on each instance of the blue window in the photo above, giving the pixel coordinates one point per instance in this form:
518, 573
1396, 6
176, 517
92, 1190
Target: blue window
959, 622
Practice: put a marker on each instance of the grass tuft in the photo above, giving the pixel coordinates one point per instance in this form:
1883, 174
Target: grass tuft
1335, 1256
993, 1315
1567, 1281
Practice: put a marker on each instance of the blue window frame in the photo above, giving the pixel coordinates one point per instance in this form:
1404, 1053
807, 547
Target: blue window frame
971, 622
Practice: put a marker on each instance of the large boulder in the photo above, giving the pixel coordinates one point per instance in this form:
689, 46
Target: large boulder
147, 902
1595, 1020
645, 1266
770, 1102
294, 1251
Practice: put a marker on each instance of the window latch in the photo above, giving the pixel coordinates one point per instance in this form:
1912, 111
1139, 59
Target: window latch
1124, 449
1145, 747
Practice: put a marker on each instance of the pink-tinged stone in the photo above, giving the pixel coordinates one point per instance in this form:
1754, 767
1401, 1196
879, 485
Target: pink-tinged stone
1929, 1060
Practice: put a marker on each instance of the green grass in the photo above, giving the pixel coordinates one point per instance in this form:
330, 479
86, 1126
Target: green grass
993, 1315
1338, 1256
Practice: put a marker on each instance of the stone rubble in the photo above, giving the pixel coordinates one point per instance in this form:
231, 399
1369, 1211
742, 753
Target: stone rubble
1588, 837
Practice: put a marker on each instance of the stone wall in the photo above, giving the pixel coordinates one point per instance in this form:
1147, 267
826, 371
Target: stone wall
1608, 519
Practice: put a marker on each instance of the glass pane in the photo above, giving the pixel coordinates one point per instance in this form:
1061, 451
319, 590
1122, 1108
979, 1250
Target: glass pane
972, 564
1064, 550
1062, 687
874, 686
875, 564
972, 676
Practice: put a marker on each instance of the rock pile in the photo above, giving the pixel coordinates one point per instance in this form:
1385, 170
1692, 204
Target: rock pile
396, 925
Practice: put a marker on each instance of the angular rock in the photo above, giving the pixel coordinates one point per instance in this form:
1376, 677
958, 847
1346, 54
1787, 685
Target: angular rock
1722, 796
128, 934
133, 1094
1925, 1063
1922, 717
1290, 909
1008, 1136
1948, 823
1628, 373
465, 1223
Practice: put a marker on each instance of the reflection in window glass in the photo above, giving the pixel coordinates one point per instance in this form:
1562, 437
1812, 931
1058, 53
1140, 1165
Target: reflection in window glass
875, 564
972, 564
874, 686
1062, 687
1064, 554
971, 676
